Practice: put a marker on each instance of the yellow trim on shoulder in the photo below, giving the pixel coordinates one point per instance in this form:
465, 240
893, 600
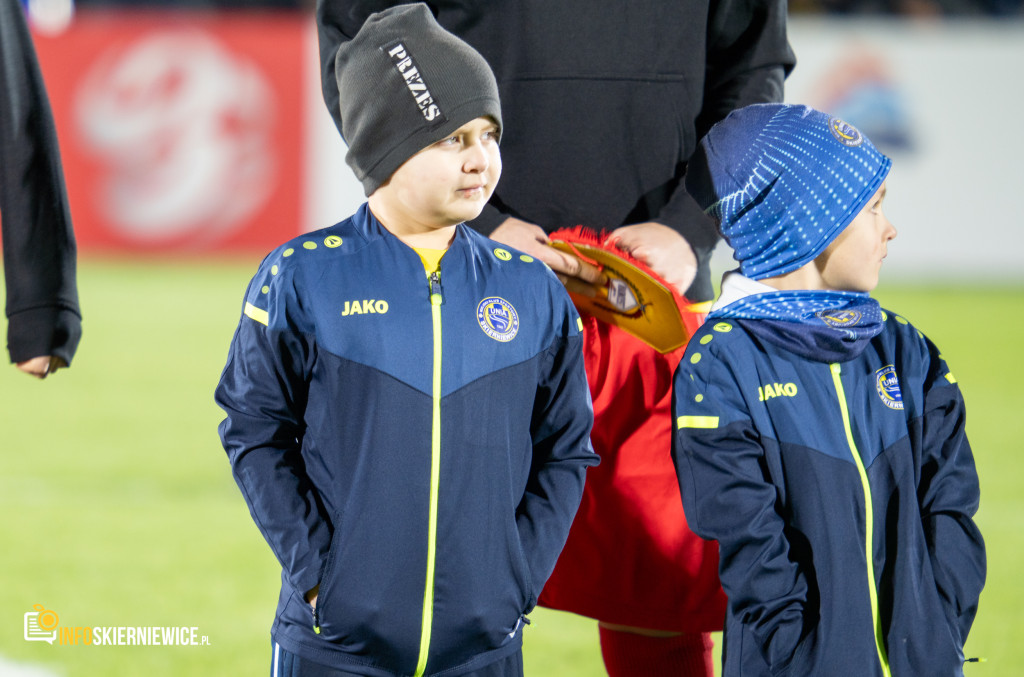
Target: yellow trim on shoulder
706, 422
258, 314
950, 377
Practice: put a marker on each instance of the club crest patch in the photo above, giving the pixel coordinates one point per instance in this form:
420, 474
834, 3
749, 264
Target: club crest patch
840, 319
497, 318
888, 387
845, 133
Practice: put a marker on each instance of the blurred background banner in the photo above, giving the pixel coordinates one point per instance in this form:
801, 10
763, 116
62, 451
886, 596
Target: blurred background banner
940, 98
198, 132
180, 133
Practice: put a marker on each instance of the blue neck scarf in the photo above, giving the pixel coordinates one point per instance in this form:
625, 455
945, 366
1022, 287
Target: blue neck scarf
820, 325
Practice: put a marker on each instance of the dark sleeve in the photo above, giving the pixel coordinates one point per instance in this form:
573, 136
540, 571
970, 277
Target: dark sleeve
748, 58
729, 497
949, 494
38, 241
337, 22
562, 420
263, 392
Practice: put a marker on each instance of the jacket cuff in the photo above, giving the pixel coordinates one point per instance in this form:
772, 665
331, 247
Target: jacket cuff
48, 330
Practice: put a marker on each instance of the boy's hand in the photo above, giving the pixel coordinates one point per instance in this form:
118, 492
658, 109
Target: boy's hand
662, 249
312, 595
42, 366
530, 238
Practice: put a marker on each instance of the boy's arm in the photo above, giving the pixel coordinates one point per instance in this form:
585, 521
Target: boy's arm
949, 494
263, 392
562, 419
728, 497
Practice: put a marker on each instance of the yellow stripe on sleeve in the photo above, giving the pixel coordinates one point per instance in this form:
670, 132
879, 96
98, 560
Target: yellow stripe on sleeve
706, 422
950, 377
258, 314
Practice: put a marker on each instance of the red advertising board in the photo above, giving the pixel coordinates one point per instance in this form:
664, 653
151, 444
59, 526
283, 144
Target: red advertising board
179, 132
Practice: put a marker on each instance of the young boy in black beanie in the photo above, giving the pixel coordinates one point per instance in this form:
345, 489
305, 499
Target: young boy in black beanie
820, 439
408, 416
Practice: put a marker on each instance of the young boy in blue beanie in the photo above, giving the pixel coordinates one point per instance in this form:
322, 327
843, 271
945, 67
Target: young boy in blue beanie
408, 416
820, 439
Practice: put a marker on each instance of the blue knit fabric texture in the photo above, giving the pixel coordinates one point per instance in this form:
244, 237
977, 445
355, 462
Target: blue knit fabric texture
783, 181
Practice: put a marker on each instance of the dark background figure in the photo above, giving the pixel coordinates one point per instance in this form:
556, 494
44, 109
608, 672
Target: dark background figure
44, 320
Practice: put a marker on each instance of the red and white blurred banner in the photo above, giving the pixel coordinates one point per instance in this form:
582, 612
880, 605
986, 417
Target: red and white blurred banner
180, 132
193, 132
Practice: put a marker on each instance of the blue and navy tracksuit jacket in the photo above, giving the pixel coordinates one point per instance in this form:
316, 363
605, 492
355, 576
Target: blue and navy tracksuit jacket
837, 478
416, 446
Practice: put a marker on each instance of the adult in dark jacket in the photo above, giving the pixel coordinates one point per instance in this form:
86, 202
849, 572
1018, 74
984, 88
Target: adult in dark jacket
44, 321
603, 104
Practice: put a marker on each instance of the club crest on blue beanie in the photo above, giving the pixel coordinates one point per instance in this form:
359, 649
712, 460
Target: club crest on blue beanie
404, 82
783, 181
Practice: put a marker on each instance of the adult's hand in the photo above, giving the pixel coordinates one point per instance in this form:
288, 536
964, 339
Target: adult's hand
576, 275
42, 366
662, 249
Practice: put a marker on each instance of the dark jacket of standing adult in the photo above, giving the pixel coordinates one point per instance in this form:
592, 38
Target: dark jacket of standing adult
39, 244
603, 102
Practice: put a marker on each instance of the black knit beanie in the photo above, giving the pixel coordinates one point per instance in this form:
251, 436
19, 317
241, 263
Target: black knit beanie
405, 83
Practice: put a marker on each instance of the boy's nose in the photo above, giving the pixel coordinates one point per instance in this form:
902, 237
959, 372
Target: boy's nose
476, 158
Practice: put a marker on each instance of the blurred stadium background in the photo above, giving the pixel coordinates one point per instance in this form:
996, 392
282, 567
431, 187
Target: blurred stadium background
194, 140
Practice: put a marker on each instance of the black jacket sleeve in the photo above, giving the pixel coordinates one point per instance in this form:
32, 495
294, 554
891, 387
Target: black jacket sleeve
263, 392
561, 423
748, 58
38, 241
728, 496
949, 493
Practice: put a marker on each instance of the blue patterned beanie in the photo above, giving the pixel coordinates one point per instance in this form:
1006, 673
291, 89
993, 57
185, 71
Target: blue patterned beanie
783, 181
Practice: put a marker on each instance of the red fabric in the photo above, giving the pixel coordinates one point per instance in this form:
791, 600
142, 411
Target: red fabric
630, 558
627, 654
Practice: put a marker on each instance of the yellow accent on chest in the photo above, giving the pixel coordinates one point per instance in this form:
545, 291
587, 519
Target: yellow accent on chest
364, 307
770, 390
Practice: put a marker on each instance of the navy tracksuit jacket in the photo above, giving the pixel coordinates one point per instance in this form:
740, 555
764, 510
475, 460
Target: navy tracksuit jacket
417, 447
838, 480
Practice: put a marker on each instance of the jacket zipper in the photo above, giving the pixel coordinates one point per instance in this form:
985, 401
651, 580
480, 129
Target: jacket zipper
869, 521
436, 299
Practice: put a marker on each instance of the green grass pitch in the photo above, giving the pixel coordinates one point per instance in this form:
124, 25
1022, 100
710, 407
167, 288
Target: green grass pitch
118, 508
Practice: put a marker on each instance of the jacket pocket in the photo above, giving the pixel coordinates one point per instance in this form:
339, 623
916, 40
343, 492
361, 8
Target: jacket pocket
371, 591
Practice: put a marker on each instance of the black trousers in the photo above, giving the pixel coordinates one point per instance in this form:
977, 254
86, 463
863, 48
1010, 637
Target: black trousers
286, 664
